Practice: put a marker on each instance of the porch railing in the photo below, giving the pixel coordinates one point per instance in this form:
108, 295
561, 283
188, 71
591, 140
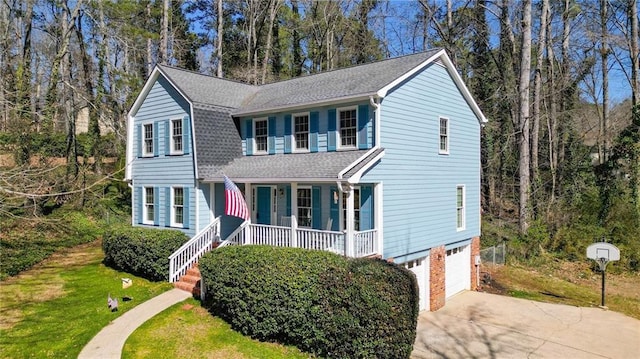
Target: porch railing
365, 243
189, 253
321, 240
277, 236
237, 237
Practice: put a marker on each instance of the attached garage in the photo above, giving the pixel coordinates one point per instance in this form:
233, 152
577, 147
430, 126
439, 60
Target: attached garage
457, 270
420, 267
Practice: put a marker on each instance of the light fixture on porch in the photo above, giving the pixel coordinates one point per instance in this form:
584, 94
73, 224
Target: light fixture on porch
281, 192
335, 197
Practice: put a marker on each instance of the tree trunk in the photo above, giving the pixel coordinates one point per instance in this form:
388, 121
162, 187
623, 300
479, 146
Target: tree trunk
523, 118
163, 53
273, 11
219, 38
604, 62
537, 98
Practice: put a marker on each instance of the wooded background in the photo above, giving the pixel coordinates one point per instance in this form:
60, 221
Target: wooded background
557, 79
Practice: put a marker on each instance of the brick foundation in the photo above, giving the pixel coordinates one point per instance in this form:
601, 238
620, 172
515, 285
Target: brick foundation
437, 258
475, 251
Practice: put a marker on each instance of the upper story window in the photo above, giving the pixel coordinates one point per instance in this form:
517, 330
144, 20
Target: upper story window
261, 131
176, 136
304, 207
348, 121
148, 206
301, 132
147, 145
177, 206
460, 204
444, 135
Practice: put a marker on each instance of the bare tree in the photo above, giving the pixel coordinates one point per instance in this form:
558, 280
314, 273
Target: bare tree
523, 118
219, 37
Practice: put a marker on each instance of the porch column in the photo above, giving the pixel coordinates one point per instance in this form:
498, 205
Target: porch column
377, 215
349, 250
294, 214
248, 198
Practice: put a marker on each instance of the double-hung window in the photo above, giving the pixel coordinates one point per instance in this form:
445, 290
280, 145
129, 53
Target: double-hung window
147, 140
148, 206
261, 136
356, 209
444, 135
177, 206
301, 132
460, 210
348, 128
176, 136
304, 207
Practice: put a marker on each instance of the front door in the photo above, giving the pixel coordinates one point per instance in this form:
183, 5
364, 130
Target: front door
263, 214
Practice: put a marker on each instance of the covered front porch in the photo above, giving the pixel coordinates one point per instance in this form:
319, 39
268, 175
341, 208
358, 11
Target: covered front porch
335, 217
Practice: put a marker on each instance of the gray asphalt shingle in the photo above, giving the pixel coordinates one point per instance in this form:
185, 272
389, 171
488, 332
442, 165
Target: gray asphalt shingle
216, 100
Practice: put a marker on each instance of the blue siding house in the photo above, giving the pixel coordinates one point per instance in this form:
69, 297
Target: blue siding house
381, 159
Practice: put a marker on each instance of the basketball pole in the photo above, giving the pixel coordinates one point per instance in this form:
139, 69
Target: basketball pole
602, 287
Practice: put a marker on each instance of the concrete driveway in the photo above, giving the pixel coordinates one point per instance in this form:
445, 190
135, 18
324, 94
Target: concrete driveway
481, 325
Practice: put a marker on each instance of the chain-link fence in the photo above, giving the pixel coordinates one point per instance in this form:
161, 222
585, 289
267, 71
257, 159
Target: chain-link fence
494, 255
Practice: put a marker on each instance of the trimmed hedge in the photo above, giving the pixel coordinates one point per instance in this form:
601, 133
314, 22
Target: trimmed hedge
141, 251
318, 301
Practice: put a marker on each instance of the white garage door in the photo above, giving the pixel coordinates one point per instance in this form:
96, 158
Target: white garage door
420, 267
457, 270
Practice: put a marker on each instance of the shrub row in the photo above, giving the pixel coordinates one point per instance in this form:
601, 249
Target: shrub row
141, 251
320, 302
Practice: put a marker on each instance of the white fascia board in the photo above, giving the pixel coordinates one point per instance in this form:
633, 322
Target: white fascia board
355, 163
383, 91
304, 106
356, 177
463, 88
442, 54
157, 71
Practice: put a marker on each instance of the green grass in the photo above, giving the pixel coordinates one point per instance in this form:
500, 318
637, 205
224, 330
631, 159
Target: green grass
54, 309
187, 330
570, 286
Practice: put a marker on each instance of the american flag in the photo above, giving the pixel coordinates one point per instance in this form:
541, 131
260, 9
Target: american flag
234, 204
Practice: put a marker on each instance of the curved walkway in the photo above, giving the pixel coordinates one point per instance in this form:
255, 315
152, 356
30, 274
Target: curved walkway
108, 343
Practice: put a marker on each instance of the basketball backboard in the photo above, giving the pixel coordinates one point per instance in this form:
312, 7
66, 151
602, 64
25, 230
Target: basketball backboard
605, 250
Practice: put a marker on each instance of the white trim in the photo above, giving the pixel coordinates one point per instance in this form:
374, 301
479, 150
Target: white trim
172, 209
212, 205
130, 156
339, 145
378, 223
172, 150
144, 205
442, 54
448, 135
253, 137
294, 143
197, 209
310, 188
358, 175
142, 139
464, 209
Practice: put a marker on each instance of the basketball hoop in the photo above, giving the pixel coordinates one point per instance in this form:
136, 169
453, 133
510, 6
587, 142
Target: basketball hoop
603, 253
602, 263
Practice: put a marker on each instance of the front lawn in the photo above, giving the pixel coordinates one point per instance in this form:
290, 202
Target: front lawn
187, 330
54, 309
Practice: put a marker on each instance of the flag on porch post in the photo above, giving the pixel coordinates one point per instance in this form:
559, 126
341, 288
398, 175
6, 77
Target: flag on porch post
234, 204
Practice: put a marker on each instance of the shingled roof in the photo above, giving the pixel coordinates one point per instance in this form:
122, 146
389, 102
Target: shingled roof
351, 82
216, 101
318, 166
